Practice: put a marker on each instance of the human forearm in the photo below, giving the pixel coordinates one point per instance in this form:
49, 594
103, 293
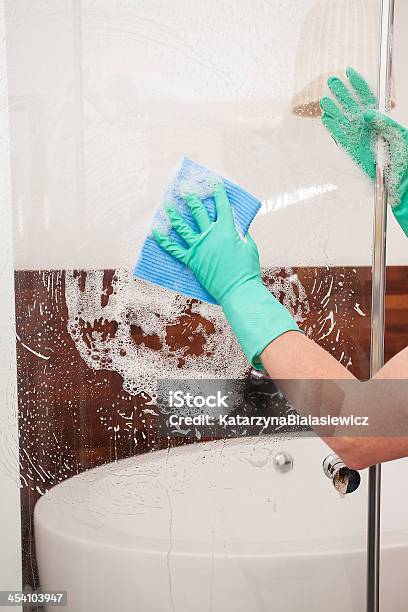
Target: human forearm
396, 368
294, 357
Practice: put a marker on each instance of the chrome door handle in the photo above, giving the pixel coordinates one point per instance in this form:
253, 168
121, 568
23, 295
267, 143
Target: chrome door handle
345, 480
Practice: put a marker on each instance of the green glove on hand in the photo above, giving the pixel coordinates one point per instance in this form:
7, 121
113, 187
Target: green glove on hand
356, 126
227, 265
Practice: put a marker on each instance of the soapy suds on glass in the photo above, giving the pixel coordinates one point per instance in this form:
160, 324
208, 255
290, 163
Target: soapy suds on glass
132, 303
154, 312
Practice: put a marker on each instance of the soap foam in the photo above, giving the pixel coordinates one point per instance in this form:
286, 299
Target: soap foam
153, 310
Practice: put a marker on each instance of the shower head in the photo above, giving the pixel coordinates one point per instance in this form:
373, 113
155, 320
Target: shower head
335, 34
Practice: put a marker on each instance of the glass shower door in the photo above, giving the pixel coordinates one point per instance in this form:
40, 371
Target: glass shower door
104, 100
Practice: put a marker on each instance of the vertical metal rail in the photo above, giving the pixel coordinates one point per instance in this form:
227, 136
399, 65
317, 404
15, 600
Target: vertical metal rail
378, 305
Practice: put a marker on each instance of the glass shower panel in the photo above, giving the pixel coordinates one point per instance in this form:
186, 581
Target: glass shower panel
105, 98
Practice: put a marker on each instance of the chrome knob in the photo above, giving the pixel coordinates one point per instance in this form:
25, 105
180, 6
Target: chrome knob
345, 480
283, 462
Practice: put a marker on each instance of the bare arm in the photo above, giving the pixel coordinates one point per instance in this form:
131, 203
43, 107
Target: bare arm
294, 356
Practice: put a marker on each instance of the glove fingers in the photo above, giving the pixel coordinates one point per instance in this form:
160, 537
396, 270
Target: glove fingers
170, 247
198, 210
330, 109
344, 97
336, 131
362, 88
222, 204
181, 226
364, 157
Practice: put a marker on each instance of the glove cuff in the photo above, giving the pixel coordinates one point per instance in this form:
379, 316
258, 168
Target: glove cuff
256, 318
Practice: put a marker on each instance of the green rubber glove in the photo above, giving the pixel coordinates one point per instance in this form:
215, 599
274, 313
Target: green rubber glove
356, 126
227, 265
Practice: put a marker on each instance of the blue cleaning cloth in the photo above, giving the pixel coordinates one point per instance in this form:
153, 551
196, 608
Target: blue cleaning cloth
159, 267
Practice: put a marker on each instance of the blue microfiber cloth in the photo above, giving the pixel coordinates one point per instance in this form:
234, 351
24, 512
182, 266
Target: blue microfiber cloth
159, 267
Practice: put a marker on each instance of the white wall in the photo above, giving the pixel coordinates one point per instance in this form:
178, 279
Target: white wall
105, 97
10, 534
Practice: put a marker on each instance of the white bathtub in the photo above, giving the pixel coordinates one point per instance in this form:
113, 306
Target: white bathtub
216, 527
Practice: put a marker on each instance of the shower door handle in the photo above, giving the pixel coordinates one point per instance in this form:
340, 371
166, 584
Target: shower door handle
345, 480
